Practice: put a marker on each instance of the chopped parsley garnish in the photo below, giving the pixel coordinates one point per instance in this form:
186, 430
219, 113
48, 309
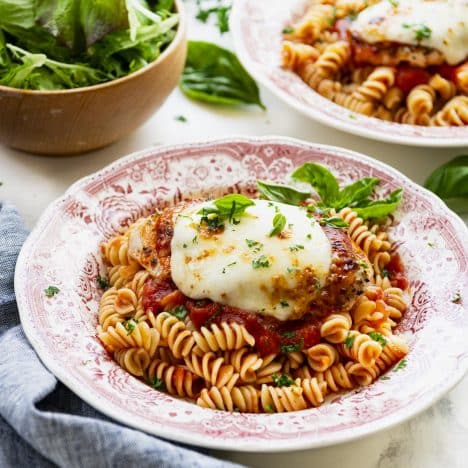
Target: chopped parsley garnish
181, 118
384, 377
400, 365
431, 245
421, 31
296, 248
289, 334
363, 264
309, 236
256, 246
269, 408
261, 262
291, 348
282, 380
456, 299
102, 282
179, 311
288, 30
184, 245
394, 2
378, 337
195, 240
228, 265
221, 12
385, 273
353, 15
349, 341
130, 325
51, 291
158, 384
352, 116
279, 221
284, 303
333, 221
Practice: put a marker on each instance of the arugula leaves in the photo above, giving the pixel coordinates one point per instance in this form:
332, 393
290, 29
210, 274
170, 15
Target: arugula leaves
67, 44
215, 75
450, 182
356, 195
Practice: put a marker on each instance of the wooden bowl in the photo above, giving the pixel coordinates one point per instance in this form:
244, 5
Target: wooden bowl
83, 119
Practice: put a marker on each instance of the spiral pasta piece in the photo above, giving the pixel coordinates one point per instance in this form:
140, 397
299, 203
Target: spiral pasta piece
361, 348
461, 77
244, 399
322, 356
454, 113
179, 339
282, 399
225, 337
335, 327
140, 335
244, 362
336, 377
115, 252
354, 104
213, 369
420, 103
108, 316
295, 54
317, 18
133, 360
268, 368
364, 238
176, 380
446, 89
396, 304
313, 391
376, 85
393, 352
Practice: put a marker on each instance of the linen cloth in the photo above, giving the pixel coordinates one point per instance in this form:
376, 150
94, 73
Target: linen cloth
42, 423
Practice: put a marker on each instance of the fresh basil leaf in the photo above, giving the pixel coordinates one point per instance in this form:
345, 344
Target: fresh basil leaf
232, 205
321, 179
334, 221
281, 193
356, 192
18, 13
279, 221
380, 208
215, 75
450, 182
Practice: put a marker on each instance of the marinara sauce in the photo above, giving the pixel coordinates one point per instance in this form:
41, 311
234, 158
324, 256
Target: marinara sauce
271, 335
396, 272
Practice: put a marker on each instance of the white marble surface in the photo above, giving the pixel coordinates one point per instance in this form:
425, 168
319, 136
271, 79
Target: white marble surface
436, 438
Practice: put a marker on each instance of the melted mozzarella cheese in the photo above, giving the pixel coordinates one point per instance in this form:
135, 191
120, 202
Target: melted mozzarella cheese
439, 24
246, 268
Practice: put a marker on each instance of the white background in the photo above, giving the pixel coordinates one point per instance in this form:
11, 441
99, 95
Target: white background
436, 438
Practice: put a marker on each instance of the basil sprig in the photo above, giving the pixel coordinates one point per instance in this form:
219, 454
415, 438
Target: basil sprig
215, 75
356, 195
450, 182
228, 207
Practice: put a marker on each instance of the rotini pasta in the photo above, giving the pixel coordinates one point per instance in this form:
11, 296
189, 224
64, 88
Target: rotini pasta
341, 50
224, 356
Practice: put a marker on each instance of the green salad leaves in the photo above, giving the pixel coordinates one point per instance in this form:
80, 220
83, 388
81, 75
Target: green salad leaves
215, 75
63, 44
356, 195
450, 182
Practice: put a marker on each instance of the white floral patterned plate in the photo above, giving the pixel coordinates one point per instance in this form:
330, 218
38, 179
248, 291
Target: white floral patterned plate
256, 26
63, 248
